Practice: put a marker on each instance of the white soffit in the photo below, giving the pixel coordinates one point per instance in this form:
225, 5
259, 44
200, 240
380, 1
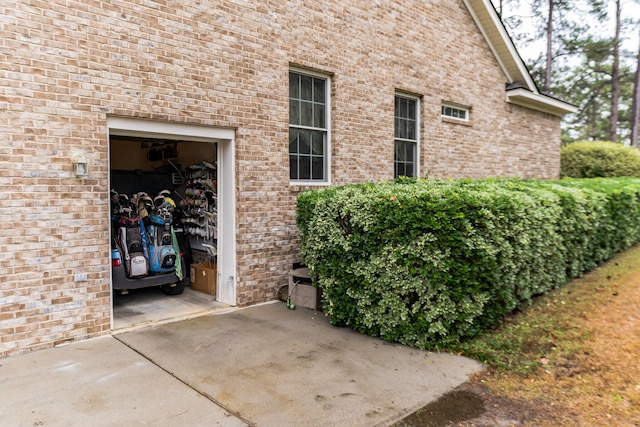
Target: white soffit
539, 102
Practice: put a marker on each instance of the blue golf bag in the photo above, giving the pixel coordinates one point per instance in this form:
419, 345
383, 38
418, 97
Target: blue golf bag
162, 255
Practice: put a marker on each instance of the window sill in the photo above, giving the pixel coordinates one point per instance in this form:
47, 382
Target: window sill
455, 121
309, 183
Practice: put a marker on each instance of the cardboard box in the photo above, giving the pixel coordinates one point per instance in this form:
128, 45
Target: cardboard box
204, 277
306, 295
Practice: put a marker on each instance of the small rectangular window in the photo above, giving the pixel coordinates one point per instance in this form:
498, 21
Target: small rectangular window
460, 113
406, 131
308, 127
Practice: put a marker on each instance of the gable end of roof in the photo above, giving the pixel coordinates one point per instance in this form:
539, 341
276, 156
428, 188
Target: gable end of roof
521, 89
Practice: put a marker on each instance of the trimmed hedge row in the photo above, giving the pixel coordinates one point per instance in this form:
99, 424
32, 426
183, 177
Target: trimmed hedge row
431, 262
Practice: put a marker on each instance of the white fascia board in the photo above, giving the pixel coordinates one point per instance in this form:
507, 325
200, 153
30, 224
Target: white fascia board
536, 101
488, 21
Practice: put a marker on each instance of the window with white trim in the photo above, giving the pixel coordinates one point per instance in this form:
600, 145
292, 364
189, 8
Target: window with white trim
405, 136
454, 112
308, 127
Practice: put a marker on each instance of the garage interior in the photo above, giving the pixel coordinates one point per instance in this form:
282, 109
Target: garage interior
182, 176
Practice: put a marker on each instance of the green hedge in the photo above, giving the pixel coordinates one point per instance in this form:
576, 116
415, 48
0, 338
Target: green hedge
431, 262
593, 159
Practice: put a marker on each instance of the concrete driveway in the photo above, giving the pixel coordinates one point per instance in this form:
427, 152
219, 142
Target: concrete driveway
99, 382
264, 365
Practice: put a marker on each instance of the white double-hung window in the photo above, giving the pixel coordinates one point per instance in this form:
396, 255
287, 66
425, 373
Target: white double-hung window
308, 127
406, 125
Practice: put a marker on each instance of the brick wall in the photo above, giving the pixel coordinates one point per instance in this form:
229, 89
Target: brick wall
67, 65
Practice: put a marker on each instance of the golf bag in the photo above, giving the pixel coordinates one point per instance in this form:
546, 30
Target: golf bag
133, 245
162, 255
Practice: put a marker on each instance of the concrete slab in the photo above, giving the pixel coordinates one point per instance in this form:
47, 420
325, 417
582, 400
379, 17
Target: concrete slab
277, 367
99, 382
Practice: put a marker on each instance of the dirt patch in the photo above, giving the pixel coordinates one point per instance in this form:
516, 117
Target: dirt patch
458, 405
472, 405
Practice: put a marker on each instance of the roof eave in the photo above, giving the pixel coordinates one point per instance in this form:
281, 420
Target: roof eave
523, 91
536, 101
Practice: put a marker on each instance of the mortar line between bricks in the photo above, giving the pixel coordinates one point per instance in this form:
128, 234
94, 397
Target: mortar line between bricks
201, 393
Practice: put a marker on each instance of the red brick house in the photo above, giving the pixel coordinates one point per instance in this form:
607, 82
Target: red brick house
280, 96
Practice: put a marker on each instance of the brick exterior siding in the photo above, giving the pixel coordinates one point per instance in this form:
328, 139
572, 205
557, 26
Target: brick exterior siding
68, 65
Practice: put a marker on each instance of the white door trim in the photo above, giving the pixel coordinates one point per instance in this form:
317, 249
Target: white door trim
123, 126
226, 223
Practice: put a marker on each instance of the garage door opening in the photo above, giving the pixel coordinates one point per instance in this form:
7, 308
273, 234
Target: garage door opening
172, 221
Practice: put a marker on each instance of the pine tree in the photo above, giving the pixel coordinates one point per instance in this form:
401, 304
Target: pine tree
585, 67
615, 75
635, 104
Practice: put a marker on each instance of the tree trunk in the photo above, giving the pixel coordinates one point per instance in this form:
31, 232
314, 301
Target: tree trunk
615, 79
547, 74
635, 104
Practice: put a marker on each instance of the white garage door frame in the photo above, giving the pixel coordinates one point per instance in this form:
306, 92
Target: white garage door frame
225, 139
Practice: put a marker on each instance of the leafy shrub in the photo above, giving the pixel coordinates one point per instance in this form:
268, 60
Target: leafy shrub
427, 263
593, 159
